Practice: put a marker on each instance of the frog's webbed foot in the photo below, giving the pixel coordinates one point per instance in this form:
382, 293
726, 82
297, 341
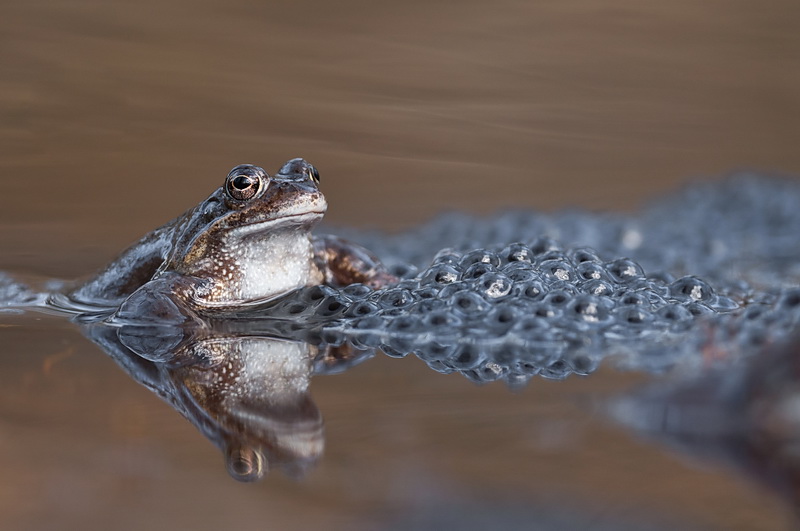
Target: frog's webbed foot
344, 263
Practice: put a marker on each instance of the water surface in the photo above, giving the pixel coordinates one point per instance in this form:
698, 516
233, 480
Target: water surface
117, 117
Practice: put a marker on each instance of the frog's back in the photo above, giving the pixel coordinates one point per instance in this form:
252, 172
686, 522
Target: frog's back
132, 269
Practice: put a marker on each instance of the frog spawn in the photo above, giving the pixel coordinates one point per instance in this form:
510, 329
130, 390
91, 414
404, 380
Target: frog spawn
535, 309
712, 271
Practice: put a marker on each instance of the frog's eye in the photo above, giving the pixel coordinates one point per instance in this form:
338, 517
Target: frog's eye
242, 187
313, 173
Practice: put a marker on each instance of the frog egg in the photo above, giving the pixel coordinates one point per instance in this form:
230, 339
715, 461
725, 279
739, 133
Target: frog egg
499, 320
395, 298
440, 274
633, 316
474, 375
699, 309
438, 366
495, 285
357, 291
361, 309
558, 370
291, 308
546, 310
591, 309
476, 270
624, 270
406, 324
529, 324
633, 299
592, 271
558, 298
407, 283
465, 356
557, 270
674, 313
583, 255
392, 351
516, 252
520, 271
403, 345
597, 287
527, 369
584, 365
426, 292
658, 287
533, 290
332, 306
441, 319
441, 349
480, 256
723, 304
450, 290
447, 257
467, 303
691, 289
315, 294
425, 306
661, 278
490, 371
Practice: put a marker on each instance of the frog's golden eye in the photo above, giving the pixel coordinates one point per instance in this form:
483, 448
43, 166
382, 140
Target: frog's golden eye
242, 187
313, 173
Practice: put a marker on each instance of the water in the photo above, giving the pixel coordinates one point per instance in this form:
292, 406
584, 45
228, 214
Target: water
117, 117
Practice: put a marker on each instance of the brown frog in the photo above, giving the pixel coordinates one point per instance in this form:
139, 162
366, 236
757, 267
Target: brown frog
250, 241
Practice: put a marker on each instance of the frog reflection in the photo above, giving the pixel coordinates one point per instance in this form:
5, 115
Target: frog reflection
248, 394
249, 241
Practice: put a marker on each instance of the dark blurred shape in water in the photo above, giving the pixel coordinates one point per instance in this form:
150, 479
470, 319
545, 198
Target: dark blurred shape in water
744, 414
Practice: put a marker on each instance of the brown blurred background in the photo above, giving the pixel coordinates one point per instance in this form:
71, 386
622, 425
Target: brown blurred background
117, 116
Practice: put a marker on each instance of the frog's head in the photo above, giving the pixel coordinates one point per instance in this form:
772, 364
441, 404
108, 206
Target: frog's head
256, 202
249, 208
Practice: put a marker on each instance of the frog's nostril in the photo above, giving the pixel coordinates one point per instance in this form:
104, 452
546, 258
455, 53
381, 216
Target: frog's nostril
297, 167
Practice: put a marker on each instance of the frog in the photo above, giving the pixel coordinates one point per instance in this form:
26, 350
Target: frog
250, 241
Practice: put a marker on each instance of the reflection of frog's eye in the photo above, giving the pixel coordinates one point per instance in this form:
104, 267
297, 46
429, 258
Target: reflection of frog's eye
246, 463
243, 187
314, 173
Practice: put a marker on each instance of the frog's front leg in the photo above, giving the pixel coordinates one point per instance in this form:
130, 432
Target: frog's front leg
166, 300
343, 263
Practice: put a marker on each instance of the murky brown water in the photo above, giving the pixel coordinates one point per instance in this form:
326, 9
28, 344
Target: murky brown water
116, 117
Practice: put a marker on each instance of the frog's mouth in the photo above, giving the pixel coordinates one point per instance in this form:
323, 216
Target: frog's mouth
303, 219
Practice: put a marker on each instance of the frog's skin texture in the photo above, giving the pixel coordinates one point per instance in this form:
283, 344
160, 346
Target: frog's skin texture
249, 241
